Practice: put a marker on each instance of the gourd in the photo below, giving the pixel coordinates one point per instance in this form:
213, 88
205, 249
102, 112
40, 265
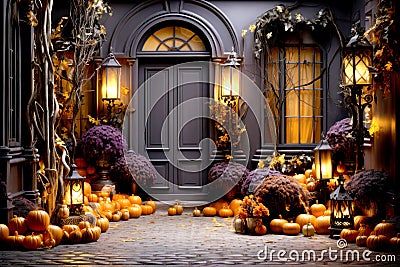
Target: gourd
4, 231
308, 230
395, 242
361, 240
116, 216
301, 178
103, 223
386, 229
276, 225
291, 228
349, 235
322, 224
83, 224
311, 186
63, 212
38, 220
125, 214
75, 236
196, 212
171, 211
377, 242
18, 224
32, 242
260, 229
91, 234
92, 197
209, 211
135, 199
235, 206
303, 219
225, 212
135, 211
317, 209
70, 227
108, 214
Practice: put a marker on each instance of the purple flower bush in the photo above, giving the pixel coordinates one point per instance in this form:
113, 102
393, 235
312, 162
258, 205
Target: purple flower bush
340, 139
102, 140
133, 168
254, 178
227, 174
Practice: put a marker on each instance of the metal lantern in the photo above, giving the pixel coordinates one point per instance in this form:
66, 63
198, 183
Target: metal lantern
341, 209
110, 74
74, 191
230, 80
323, 167
357, 58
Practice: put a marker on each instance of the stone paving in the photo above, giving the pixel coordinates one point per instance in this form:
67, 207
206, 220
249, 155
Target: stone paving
159, 239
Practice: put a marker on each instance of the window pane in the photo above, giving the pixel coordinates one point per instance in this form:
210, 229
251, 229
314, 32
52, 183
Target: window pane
292, 126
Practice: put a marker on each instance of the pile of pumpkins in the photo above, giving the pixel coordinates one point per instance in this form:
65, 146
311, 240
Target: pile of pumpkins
381, 237
306, 180
35, 231
221, 208
121, 207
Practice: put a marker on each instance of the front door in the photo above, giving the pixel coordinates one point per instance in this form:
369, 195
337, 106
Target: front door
174, 124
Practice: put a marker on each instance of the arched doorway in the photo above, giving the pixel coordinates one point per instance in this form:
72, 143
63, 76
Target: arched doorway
169, 76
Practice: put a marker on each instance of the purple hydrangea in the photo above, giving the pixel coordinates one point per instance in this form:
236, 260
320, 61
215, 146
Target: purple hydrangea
255, 177
340, 139
227, 174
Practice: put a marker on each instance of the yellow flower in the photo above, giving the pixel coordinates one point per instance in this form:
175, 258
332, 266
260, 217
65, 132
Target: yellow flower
244, 33
252, 28
269, 35
228, 157
374, 127
261, 164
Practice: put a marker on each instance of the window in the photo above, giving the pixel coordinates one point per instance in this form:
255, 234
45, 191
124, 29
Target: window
173, 38
293, 88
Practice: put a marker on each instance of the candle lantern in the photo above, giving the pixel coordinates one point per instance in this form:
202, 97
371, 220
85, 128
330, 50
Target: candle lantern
341, 209
74, 196
230, 80
323, 166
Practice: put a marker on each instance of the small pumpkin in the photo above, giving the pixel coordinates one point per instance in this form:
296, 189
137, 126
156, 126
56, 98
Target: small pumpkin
301, 178
91, 170
4, 231
32, 242
311, 186
317, 209
303, 219
364, 229
395, 242
125, 214
147, 209
235, 206
70, 227
209, 211
18, 224
83, 224
56, 232
360, 219
308, 230
171, 211
260, 229
92, 197
291, 228
87, 188
196, 212
38, 220
63, 211
377, 242
135, 211
91, 234
219, 204
308, 173
361, 240
179, 208
108, 214
103, 223
276, 225
135, 199
75, 236
225, 212
349, 235
152, 203
116, 217
385, 228
124, 203
322, 224
15, 241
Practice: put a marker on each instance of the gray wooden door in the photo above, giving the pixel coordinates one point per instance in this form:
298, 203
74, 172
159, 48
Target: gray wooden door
174, 127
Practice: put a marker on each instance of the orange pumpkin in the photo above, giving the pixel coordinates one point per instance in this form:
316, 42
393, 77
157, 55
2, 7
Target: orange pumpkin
70, 227
92, 197
235, 206
91, 170
395, 242
124, 203
179, 208
225, 212
349, 235
219, 204
91, 234
291, 228
317, 209
171, 211
75, 236
377, 242
116, 217
360, 219
386, 229
103, 223
15, 241
301, 178
303, 219
322, 224
135, 211
18, 224
4, 231
147, 210
209, 211
135, 199
276, 225
361, 240
260, 228
87, 189
364, 229
83, 224
32, 242
56, 232
196, 212
38, 220
152, 204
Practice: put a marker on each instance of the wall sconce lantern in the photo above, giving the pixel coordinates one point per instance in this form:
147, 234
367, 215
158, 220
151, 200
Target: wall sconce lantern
74, 196
357, 58
230, 80
323, 166
341, 209
110, 74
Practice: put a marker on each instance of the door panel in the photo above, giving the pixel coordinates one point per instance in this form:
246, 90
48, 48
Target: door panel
174, 130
